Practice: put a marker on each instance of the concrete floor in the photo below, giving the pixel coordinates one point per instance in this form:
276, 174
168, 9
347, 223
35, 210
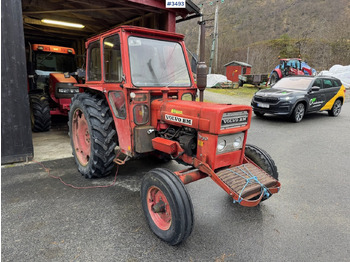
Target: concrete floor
54, 144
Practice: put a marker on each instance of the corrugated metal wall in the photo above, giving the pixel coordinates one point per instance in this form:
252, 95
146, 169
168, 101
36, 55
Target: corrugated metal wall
16, 135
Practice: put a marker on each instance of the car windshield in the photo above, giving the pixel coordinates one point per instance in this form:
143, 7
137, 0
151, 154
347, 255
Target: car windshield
293, 83
157, 63
55, 62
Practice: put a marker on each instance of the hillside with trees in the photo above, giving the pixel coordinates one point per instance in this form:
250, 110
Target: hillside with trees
259, 31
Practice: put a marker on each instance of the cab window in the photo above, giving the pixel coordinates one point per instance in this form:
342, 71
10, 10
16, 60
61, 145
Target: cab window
112, 59
94, 66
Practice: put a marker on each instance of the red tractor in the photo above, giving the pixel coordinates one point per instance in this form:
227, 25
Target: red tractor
50, 92
290, 67
139, 99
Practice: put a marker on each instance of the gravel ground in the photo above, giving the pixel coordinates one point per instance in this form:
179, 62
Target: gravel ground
225, 99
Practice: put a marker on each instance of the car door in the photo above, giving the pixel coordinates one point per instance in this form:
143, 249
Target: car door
331, 88
317, 98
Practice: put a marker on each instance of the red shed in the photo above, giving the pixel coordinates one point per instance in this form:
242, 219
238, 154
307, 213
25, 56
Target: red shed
235, 68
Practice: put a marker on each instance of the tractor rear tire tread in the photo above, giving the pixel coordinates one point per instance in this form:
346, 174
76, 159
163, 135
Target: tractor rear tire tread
40, 111
102, 134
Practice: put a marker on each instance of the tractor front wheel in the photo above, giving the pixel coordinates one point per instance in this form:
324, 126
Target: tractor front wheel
167, 206
92, 135
263, 160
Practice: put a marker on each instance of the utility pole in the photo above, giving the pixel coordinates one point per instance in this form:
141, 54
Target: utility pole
215, 34
217, 45
248, 55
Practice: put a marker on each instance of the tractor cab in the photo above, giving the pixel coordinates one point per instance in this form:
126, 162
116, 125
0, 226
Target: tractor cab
290, 66
49, 90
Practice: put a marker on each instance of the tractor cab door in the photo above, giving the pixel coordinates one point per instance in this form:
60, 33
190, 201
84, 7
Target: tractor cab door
143, 133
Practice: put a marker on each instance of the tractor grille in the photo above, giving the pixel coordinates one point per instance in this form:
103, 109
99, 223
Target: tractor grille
271, 100
234, 119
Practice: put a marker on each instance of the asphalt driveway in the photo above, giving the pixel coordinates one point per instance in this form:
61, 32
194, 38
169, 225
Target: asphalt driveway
309, 220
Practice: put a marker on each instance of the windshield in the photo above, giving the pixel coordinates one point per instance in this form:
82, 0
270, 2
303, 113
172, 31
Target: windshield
157, 63
293, 83
294, 64
55, 62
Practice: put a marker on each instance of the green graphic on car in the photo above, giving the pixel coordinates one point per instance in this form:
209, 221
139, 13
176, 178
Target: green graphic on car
314, 103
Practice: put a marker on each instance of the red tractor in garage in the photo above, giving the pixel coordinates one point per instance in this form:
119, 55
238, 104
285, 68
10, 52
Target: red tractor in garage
50, 92
139, 99
290, 67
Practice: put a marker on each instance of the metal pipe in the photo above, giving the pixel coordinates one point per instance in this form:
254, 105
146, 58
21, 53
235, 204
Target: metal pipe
201, 66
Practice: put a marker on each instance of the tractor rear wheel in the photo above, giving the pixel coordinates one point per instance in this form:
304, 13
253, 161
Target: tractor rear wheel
262, 159
167, 206
40, 113
92, 135
274, 78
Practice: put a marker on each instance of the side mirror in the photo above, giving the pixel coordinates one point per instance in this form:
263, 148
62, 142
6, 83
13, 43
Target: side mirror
315, 89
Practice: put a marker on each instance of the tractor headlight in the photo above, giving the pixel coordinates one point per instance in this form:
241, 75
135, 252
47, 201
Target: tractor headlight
230, 143
221, 145
237, 143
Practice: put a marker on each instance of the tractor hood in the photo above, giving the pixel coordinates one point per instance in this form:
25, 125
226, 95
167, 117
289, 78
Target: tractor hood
60, 78
206, 117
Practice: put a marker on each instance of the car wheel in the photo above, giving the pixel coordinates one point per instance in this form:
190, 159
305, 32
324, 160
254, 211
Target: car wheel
298, 113
259, 114
274, 78
335, 111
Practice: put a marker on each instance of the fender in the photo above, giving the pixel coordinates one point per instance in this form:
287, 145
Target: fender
303, 100
90, 86
279, 72
307, 71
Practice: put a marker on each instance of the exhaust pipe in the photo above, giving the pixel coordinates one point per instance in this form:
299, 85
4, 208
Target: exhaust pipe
201, 66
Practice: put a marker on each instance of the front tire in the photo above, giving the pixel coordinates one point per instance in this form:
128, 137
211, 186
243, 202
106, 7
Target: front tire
40, 113
92, 134
167, 206
262, 159
298, 113
336, 109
